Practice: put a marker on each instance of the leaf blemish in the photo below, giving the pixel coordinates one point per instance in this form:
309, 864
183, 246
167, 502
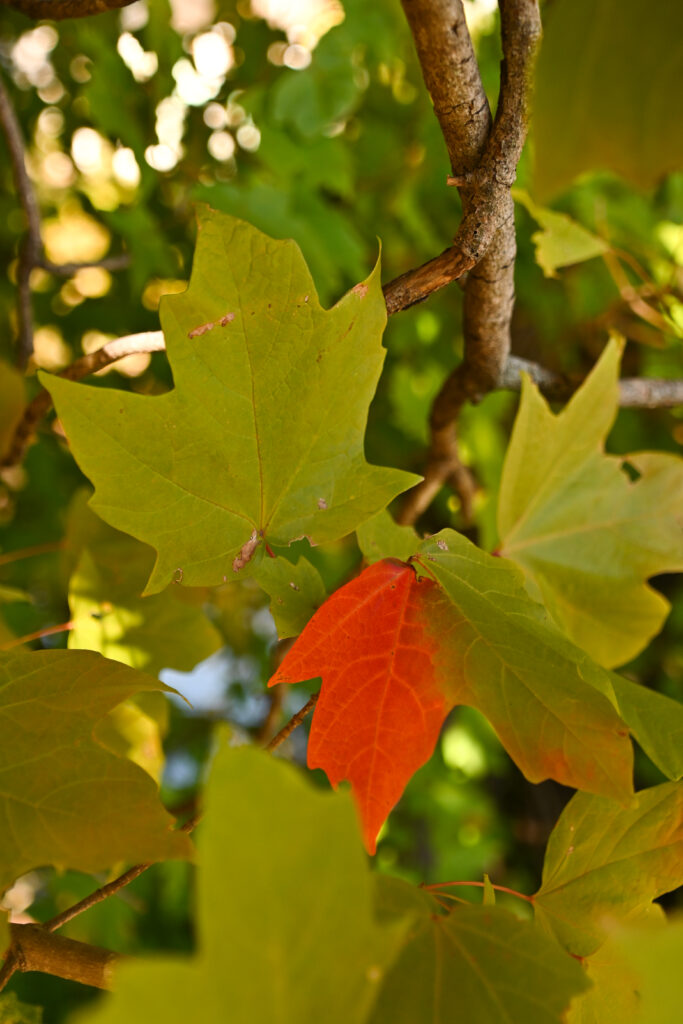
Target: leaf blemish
361, 289
246, 551
322, 504
442, 545
178, 576
222, 321
293, 586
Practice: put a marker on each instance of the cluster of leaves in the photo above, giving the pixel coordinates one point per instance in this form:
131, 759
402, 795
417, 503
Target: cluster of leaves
247, 477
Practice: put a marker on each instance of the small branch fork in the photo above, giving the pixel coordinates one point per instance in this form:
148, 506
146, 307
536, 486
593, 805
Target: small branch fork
31, 252
484, 158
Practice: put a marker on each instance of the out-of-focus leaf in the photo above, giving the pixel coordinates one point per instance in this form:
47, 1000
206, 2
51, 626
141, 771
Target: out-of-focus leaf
295, 591
14, 1012
615, 994
604, 861
269, 948
655, 956
65, 800
606, 79
562, 241
475, 964
382, 537
205, 472
110, 616
586, 534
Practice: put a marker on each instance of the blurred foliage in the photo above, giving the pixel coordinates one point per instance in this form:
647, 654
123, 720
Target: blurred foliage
321, 131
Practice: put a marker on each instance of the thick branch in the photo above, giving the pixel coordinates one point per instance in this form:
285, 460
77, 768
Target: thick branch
484, 161
34, 949
58, 10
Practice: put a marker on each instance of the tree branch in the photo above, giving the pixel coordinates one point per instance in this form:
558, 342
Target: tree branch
58, 10
483, 160
34, 949
291, 725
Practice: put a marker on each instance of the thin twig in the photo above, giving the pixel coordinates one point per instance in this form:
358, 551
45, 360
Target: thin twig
31, 253
291, 725
35, 549
105, 891
16, 641
634, 392
435, 886
31, 247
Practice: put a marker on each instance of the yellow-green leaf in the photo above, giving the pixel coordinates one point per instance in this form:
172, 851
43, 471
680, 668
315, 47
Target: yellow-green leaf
604, 861
478, 965
66, 801
241, 452
561, 240
586, 534
286, 929
109, 614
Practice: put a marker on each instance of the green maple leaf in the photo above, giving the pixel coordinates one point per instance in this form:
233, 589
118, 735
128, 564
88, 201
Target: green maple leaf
478, 964
587, 536
295, 591
65, 800
604, 862
561, 241
269, 947
553, 709
261, 440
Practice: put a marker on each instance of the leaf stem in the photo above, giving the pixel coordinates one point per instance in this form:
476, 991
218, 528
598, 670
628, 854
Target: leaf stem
35, 549
63, 627
480, 885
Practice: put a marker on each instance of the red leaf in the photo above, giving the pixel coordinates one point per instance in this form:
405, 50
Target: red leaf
381, 704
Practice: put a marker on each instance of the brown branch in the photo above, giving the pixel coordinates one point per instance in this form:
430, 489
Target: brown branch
483, 159
58, 10
291, 725
34, 949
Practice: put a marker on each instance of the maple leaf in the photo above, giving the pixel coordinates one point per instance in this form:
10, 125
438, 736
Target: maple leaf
587, 536
381, 707
603, 862
64, 799
260, 935
396, 651
262, 437
475, 964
